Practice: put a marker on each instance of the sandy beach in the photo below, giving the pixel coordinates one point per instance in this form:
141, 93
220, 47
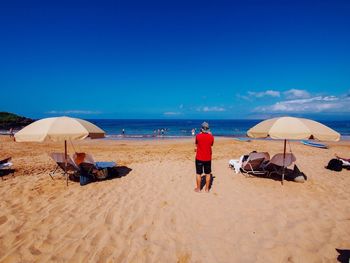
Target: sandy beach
150, 213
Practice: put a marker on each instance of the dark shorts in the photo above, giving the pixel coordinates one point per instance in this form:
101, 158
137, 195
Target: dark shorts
203, 167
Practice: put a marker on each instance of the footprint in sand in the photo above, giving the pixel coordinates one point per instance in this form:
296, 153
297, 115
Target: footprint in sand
3, 219
110, 217
184, 257
34, 251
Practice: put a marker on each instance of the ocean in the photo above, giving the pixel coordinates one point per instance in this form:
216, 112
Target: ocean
143, 129
153, 129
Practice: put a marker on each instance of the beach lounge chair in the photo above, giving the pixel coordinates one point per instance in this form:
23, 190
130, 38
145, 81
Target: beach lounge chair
253, 167
97, 170
255, 163
255, 155
251, 163
276, 164
71, 169
5, 165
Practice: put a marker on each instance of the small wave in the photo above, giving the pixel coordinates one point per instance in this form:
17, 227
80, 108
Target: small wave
144, 137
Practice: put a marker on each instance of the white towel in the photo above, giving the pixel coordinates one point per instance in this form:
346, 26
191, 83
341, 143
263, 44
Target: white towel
345, 163
5, 165
236, 164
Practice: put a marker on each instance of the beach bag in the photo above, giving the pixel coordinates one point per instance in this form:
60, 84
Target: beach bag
299, 176
112, 172
85, 179
102, 174
335, 165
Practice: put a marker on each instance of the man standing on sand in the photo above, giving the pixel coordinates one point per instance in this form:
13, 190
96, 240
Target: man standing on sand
204, 142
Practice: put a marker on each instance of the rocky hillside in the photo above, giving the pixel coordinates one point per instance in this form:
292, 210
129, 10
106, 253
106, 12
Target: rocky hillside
10, 120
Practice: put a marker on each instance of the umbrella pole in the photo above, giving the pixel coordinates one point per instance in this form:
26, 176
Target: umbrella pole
284, 157
65, 160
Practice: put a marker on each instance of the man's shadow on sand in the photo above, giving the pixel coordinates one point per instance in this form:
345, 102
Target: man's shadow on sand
211, 181
344, 255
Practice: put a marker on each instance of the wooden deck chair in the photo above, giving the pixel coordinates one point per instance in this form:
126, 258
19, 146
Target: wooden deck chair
72, 168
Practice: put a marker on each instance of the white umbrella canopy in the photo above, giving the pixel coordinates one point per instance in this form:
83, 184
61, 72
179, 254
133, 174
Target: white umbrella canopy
291, 128
59, 129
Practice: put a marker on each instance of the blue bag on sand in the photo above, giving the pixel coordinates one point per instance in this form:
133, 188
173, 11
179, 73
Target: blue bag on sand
85, 179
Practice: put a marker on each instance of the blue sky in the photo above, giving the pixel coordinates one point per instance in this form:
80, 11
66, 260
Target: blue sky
176, 59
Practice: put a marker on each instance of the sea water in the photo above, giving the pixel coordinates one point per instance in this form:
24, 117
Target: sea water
153, 129
144, 129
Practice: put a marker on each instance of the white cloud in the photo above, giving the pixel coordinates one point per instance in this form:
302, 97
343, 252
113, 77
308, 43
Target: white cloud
310, 105
289, 94
271, 93
244, 97
211, 109
296, 94
171, 113
85, 112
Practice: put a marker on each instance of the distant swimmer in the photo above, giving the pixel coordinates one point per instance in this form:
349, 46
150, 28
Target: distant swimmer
11, 132
193, 132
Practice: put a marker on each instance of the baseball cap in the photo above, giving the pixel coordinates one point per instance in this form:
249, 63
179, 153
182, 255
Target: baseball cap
205, 127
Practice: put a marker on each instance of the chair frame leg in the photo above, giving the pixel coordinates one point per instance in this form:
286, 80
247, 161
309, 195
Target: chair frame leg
53, 172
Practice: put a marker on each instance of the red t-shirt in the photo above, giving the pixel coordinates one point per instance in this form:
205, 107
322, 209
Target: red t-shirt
204, 142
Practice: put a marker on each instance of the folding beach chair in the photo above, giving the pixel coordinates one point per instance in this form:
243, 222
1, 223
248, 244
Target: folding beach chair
71, 169
254, 164
251, 164
5, 167
253, 167
277, 163
255, 155
96, 170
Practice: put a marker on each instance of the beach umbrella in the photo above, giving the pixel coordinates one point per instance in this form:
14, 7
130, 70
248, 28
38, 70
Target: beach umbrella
59, 129
290, 128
